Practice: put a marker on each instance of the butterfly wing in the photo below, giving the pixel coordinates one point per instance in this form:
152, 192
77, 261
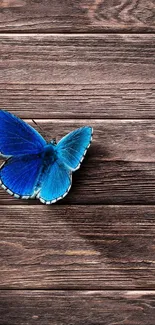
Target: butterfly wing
56, 183
19, 175
72, 148
17, 137
70, 152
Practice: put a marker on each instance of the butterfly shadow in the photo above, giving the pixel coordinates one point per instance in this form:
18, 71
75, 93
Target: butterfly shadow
110, 236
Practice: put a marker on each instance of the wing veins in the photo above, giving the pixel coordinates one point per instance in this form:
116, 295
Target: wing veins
23, 173
26, 140
21, 125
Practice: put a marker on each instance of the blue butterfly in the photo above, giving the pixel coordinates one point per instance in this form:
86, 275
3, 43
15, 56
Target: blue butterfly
35, 168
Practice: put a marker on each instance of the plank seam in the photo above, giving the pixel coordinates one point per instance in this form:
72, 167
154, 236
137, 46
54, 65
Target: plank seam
79, 289
79, 32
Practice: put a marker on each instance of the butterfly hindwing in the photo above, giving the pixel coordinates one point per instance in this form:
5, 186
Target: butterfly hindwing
19, 175
72, 148
56, 183
18, 137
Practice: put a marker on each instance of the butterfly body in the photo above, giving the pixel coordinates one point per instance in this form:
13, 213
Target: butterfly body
35, 168
49, 154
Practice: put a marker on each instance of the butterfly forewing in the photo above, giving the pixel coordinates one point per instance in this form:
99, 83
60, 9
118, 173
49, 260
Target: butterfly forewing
17, 137
72, 148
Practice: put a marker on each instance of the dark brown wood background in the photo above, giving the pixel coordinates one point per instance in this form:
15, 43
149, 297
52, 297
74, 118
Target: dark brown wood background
90, 258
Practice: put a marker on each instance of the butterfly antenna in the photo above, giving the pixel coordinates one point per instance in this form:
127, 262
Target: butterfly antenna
40, 128
43, 131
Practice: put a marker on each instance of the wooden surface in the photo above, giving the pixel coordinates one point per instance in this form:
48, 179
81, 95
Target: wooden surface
81, 307
77, 16
77, 247
119, 166
78, 76
90, 258
110, 183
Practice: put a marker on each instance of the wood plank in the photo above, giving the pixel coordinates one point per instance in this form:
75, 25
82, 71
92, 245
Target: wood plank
104, 183
81, 16
119, 167
78, 76
77, 247
77, 307
130, 100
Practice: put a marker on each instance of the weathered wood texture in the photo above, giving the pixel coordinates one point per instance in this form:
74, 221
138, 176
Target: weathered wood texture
74, 80
72, 16
119, 167
78, 76
77, 247
77, 307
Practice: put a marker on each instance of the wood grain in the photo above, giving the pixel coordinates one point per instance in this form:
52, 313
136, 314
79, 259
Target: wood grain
75, 251
77, 307
77, 247
119, 167
78, 76
77, 16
